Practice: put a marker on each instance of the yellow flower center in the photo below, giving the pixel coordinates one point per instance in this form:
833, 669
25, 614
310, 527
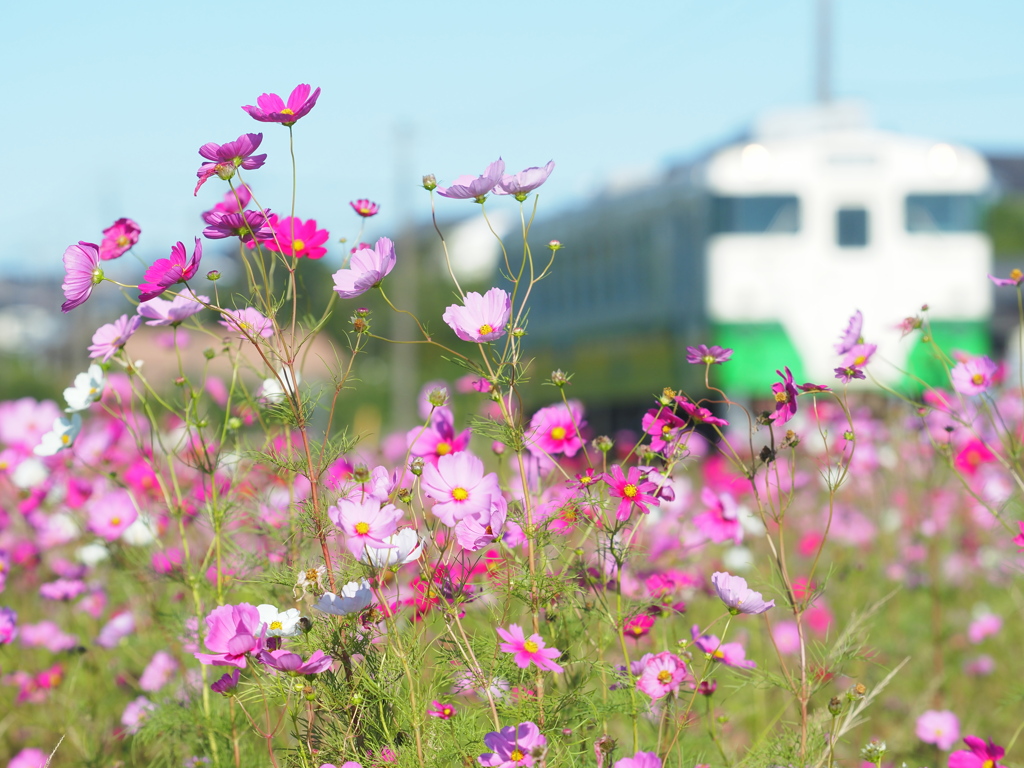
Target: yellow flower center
782, 397
988, 764
362, 528
664, 677
718, 654
484, 329
122, 241
530, 647
311, 574
1016, 274
276, 625
978, 379
66, 439
859, 360
630, 491
443, 449
287, 111
298, 245
516, 755
460, 494
558, 433
708, 359
115, 521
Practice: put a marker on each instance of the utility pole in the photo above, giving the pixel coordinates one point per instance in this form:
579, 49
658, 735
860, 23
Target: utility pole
824, 50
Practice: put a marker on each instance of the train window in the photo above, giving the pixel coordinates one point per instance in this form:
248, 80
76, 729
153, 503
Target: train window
751, 215
851, 227
943, 213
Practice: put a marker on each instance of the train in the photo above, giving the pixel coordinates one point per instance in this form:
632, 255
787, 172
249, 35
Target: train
768, 246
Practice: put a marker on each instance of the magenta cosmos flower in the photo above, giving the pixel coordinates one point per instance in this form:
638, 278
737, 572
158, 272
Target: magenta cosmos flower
225, 158
273, 109
459, 487
1015, 278
528, 650
82, 274
164, 273
366, 269
738, 598
365, 522
298, 238
852, 335
981, 755
438, 438
704, 355
785, 398
639, 760
247, 323
111, 514
556, 429
475, 187
286, 661
233, 631
522, 183
632, 489
118, 239
111, 337
941, 728
513, 747
730, 654
245, 225
661, 674
364, 207
441, 711
482, 318
974, 376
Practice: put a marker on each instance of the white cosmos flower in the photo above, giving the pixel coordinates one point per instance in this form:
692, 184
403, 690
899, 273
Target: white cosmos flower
61, 436
272, 392
354, 597
280, 623
86, 390
404, 547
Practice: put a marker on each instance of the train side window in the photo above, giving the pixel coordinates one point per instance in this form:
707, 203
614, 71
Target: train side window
943, 213
755, 214
852, 227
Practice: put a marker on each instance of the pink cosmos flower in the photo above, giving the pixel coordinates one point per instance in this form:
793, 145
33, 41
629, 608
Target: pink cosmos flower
459, 487
702, 355
117, 629
556, 429
973, 376
233, 631
29, 757
111, 513
720, 523
366, 269
513, 747
858, 355
730, 654
8, 625
135, 713
170, 271
475, 187
247, 226
179, 309
480, 529
981, 755
522, 183
82, 274
62, 589
849, 374
528, 650
47, 635
438, 438
248, 323
225, 158
698, 414
286, 661
364, 207
632, 489
298, 238
852, 335
986, 625
639, 760
733, 591
111, 337
638, 626
158, 672
226, 683
482, 318
664, 427
118, 239
1016, 276
364, 522
940, 728
785, 398
272, 108
661, 674
441, 711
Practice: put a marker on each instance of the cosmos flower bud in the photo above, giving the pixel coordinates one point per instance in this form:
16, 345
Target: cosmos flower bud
438, 397
603, 443
559, 378
429, 182
835, 706
213, 275
361, 474
555, 245
416, 466
873, 751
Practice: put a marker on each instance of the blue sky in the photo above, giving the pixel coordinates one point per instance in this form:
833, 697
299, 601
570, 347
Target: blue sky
108, 102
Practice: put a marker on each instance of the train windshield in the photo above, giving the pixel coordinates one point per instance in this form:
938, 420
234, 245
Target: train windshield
755, 214
943, 213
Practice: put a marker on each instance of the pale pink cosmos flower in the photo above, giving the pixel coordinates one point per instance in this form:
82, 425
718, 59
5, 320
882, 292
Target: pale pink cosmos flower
8, 625
30, 757
522, 183
858, 355
639, 760
661, 674
481, 318
1015, 278
985, 625
851, 337
730, 654
249, 323
367, 268
556, 429
158, 672
720, 523
273, 109
62, 589
109, 338
470, 187
938, 727
459, 487
438, 438
82, 274
135, 713
973, 376
117, 629
476, 531
286, 661
118, 239
233, 632
365, 522
164, 312
733, 591
111, 514
47, 635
